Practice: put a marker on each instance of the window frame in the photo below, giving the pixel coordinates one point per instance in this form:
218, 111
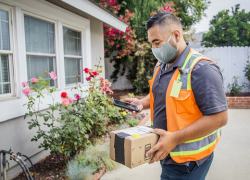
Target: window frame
10, 53
82, 64
55, 55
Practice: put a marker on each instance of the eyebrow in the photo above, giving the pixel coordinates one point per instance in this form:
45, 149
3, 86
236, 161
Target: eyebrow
155, 40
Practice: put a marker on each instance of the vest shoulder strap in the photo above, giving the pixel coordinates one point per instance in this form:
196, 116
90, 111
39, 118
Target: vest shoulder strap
186, 70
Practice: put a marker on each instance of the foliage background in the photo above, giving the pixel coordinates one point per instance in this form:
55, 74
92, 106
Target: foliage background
229, 29
140, 61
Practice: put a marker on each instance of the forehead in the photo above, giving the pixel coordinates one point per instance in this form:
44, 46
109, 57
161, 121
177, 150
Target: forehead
157, 33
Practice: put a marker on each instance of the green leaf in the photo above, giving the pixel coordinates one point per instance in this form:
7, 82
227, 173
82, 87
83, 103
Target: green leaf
30, 113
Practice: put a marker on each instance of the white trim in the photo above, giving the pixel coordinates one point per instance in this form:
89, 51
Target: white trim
97, 12
40, 54
6, 51
71, 56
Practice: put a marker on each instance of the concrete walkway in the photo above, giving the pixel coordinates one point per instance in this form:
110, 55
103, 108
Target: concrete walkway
231, 160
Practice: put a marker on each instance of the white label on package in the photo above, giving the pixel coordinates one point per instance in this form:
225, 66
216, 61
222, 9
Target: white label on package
137, 130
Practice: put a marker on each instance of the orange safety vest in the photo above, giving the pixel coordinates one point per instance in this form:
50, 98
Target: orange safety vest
183, 111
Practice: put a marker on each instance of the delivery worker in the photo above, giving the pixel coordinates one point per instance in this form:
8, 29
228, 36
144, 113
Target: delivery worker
187, 102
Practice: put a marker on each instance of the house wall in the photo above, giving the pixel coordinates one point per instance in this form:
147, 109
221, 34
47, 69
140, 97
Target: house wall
14, 130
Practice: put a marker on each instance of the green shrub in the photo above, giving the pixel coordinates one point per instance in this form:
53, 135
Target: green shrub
235, 87
133, 122
247, 74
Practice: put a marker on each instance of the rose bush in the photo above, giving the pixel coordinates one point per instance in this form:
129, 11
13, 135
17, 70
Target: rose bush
80, 121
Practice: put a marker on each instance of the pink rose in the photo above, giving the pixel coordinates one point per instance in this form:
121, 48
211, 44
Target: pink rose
65, 102
78, 97
25, 84
70, 100
53, 75
33, 80
102, 93
101, 78
26, 90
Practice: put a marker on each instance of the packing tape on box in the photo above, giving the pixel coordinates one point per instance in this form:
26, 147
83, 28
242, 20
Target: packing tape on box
119, 147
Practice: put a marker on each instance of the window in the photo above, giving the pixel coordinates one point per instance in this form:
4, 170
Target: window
6, 80
72, 55
40, 48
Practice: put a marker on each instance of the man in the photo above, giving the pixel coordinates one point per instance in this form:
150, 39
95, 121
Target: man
187, 102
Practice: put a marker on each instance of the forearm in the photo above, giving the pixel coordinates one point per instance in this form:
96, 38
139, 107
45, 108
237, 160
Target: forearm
202, 127
145, 102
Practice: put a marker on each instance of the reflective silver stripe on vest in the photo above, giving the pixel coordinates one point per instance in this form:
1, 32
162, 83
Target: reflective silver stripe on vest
196, 145
184, 77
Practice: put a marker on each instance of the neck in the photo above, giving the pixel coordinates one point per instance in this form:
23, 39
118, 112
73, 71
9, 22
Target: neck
182, 47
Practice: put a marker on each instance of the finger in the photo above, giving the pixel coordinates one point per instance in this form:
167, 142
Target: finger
140, 107
153, 149
158, 131
156, 157
129, 100
163, 155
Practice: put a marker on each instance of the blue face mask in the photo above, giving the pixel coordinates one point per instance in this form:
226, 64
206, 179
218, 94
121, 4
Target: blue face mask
166, 52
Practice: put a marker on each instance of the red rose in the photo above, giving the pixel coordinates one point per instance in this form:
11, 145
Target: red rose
86, 70
95, 73
64, 95
88, 78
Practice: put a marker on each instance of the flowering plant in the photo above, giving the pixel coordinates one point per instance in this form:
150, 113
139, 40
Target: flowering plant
75, 122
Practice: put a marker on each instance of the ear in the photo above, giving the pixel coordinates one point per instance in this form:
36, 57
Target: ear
177, 35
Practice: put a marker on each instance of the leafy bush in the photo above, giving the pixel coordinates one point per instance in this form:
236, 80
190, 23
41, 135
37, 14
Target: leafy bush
235, 87
82, 120
133, 122
247, 71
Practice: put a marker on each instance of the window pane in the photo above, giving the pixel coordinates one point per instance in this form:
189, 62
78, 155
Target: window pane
72, 42
72, 68
39, 36
4, 30
36, 65
4, 74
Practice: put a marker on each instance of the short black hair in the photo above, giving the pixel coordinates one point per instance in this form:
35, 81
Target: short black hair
162, 18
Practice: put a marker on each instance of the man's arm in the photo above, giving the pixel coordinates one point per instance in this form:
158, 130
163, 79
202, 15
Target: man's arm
145, 102
202, 127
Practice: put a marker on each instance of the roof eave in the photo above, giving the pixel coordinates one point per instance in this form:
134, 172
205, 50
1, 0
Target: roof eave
98, 12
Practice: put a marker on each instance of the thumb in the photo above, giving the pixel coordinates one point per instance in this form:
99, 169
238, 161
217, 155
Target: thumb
158, 131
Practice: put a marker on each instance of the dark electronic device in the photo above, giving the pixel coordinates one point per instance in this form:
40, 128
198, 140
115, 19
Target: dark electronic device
125, 105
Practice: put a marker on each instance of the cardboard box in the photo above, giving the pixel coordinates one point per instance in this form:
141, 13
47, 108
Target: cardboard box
129, 146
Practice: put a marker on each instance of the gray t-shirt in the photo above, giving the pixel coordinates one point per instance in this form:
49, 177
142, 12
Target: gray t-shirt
207, 86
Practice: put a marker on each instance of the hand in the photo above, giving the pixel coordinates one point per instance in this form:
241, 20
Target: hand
135, 102
164, 146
